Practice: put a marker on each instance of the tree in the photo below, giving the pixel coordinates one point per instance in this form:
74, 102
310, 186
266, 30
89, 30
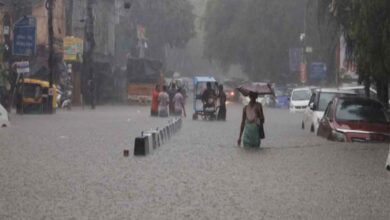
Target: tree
257, 35
366, 27
167, 23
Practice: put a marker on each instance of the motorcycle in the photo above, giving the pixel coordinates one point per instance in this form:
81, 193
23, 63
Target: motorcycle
64, 99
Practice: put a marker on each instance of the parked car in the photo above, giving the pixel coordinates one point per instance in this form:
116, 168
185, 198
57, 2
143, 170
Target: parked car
4, 119
282, 98
355, 119
360, 91
299, 99
317, 104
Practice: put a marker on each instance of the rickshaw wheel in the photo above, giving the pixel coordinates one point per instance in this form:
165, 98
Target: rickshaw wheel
195, 116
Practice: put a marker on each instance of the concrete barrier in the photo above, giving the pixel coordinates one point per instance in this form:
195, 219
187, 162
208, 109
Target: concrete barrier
141, 146
167, 134
152, 139
161, 136
158, 138
171, 129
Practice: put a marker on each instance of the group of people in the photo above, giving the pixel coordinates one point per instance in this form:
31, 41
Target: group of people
168, 101
171, 101
212, 98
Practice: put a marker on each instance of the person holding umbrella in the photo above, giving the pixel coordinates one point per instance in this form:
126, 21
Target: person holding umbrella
251, 129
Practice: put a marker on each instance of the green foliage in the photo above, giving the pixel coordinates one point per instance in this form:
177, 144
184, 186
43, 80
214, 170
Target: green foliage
257, 35
167, 22
366, 26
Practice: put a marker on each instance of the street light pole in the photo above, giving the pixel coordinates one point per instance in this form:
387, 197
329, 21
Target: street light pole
50, 7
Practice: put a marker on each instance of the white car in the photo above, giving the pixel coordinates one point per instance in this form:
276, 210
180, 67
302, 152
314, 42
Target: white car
317, 104
359, 90
299, 99
4, 120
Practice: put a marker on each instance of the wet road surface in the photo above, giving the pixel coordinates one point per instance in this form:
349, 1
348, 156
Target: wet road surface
71, 166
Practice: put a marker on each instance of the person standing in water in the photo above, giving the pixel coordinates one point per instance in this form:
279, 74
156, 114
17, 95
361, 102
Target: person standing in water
222, 104
154, 104
179, 103
163, 103
252, 120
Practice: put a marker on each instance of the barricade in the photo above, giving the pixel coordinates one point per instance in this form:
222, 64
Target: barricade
141, 146
161, 136
167, 134
152, 139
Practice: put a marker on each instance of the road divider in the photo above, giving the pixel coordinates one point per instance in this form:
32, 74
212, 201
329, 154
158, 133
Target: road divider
152, 139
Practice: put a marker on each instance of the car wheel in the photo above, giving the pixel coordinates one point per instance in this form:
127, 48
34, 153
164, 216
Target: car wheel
303, 126
312, 128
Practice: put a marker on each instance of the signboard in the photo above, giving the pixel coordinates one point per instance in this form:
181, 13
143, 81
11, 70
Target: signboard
23, 67
73, 49
295, 55
318, 71
24, 39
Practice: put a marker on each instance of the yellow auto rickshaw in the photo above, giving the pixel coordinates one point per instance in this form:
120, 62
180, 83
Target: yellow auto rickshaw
32, 96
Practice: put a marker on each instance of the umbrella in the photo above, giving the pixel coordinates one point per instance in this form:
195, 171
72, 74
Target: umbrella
259, 88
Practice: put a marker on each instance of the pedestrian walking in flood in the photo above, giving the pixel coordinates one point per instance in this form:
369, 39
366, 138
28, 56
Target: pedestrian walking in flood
251, 129
154, 104
172, 92
179, 103
163, 103
222, 104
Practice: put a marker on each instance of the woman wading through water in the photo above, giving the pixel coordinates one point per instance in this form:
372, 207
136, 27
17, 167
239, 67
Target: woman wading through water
251, 129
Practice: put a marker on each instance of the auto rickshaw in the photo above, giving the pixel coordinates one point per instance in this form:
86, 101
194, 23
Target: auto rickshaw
206, 110
32, 96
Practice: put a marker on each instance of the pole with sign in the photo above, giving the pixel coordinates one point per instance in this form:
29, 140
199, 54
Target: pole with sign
50, 8
24, 36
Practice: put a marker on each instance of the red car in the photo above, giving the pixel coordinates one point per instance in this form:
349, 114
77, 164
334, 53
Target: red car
355, 119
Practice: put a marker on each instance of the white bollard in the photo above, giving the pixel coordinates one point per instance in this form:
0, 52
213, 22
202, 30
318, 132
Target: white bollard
150, 140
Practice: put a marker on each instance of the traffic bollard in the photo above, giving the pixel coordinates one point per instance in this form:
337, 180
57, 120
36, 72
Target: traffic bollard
154, 138
161, 136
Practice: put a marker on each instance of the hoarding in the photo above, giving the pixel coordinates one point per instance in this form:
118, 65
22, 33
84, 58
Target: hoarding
73, 49
24, 36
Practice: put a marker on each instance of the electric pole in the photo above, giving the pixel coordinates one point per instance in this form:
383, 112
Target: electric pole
50, 7
88, 53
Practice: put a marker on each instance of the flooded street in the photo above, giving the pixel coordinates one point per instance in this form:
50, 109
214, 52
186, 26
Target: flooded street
71, 166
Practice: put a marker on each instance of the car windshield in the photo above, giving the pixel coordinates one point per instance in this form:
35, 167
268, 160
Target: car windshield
361, 110
301, 95
325, 98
